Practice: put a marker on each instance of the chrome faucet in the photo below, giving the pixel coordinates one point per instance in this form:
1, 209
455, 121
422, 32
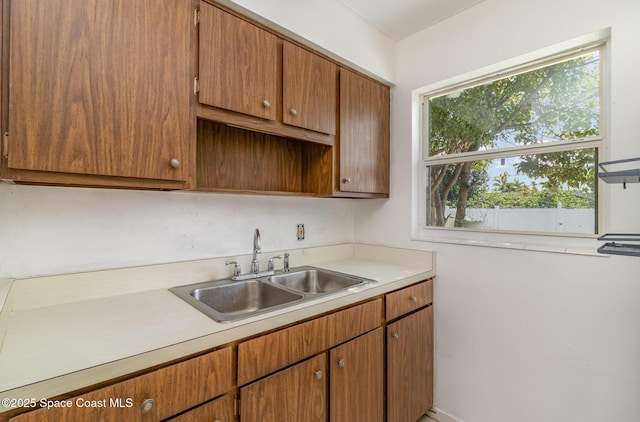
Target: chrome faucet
255, 266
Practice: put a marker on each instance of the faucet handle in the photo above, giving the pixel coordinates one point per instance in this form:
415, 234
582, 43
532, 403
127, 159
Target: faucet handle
270, 264
236, 267
285, 264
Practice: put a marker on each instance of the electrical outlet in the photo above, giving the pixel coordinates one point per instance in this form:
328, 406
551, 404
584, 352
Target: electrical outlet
300, 231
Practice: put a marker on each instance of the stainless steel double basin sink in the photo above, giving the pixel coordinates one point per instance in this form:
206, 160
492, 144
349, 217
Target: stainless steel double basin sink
228, 300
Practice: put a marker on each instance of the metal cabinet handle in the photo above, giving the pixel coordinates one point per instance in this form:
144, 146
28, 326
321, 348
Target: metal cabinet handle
414, 299
346, 180
266, 103
341, 363
318, 375
175, 163
147, 405
396, 336
293, 112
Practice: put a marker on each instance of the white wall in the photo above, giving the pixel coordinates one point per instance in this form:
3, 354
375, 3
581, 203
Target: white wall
521, 335
334, 27
47, 230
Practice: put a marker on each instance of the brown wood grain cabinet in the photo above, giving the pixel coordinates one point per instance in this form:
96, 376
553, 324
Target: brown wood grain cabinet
364, 135
238, 64
298, 393
303, 340
309, 90
150, 397
351, 339
99, 93
357, 379
410, 354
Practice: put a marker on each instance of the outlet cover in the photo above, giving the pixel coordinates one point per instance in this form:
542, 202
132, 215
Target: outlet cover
300, 231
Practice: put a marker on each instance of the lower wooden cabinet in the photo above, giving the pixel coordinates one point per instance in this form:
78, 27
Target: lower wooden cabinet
298, 393
351, 390
356, 378
410, 366
149, 397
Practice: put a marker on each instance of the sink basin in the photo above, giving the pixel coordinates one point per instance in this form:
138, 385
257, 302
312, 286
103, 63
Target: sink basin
315, 281
227, 300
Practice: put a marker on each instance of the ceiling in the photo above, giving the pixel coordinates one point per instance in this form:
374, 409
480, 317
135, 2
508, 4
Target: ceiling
401, 18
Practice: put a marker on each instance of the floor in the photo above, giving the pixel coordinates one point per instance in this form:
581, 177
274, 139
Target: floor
426, 418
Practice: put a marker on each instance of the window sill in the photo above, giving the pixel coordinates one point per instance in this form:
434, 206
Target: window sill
559, 244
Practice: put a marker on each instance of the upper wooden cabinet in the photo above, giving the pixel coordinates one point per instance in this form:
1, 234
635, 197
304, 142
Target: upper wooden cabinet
252, 78
238, 64
309, 86
364, 135
101, 89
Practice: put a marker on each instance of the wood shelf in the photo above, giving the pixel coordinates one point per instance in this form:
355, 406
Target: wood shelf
230, 159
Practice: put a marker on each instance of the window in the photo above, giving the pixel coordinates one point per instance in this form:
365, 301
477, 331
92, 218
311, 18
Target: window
517, 151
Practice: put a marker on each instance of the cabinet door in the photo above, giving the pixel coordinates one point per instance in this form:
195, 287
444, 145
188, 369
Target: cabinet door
102, 88
357, 379
309, 85
410, 366
298, 393
364, 135
238, 64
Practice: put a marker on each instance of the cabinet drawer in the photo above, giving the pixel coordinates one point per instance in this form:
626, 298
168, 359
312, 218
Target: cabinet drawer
221, 410
266, 354
172, 389
409, 299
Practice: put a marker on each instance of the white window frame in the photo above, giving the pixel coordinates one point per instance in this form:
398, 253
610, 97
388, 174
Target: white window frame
553, 242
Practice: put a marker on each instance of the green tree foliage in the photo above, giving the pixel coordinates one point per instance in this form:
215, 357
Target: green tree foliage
550, 103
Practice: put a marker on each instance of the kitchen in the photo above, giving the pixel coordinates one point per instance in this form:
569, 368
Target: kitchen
520, 335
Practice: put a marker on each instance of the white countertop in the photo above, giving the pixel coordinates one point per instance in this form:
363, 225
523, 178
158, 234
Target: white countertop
62, 333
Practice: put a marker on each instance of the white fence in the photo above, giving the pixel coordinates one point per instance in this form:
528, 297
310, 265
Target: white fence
555, 220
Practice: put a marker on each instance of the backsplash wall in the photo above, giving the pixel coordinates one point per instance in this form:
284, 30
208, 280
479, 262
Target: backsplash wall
55, 230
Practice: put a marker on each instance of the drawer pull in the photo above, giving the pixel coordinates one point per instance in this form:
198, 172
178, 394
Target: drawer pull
147, 405
341, 363
414, 299
396, 336
318, 375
